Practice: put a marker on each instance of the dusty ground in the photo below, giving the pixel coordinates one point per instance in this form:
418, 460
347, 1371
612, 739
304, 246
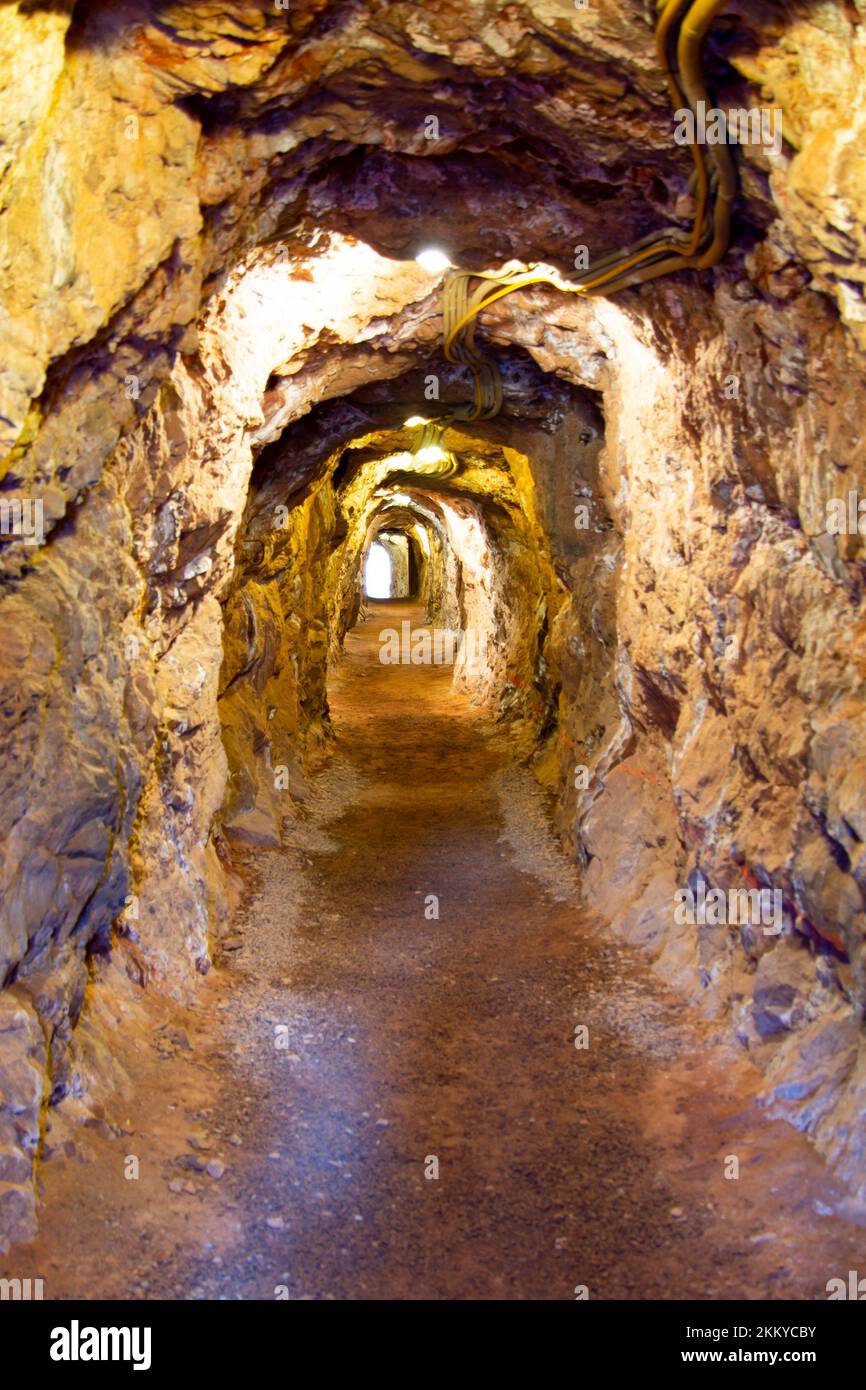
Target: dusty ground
350, 1039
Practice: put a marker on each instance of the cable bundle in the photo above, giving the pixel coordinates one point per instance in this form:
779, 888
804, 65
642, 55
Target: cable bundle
680, 32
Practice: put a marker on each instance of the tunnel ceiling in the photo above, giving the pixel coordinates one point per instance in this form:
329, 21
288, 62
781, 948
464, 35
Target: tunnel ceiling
373, 418
254, 125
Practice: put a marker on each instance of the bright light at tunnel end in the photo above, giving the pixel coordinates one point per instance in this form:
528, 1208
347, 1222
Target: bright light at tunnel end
433, 260
377, 572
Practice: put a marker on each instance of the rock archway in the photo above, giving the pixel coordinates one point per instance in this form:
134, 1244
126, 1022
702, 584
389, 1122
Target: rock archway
215, 329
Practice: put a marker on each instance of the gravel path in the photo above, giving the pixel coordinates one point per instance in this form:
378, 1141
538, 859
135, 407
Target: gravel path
391, 1102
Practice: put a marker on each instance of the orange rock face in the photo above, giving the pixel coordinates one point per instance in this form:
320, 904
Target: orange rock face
211, 311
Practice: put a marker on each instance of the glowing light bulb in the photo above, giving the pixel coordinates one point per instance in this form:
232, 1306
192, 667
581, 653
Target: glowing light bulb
433, 261
431, 453
416, 420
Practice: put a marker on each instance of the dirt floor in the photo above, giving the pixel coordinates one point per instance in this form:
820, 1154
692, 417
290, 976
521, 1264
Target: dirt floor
286, 1126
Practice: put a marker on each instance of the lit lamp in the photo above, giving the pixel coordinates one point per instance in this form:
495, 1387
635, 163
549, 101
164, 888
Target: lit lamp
434, 261
429, 456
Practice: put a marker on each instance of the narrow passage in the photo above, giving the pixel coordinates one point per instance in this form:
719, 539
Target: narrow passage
358, 1044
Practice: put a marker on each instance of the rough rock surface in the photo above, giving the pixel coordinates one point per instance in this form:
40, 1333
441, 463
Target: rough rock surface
206, 215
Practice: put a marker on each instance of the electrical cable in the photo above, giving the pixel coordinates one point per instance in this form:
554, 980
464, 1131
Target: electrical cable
680, 31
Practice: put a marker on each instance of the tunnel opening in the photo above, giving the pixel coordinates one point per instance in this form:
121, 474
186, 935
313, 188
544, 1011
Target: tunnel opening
378, 572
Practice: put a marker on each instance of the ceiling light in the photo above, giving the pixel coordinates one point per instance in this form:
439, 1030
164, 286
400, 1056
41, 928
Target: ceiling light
431, 453
433, 261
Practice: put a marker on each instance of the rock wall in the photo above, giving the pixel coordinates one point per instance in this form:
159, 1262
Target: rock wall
717, 698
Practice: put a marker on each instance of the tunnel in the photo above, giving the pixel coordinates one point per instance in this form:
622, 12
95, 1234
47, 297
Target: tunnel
435, 642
